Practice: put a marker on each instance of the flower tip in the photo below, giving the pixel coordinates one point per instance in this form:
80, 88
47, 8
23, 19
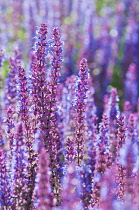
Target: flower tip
20, 127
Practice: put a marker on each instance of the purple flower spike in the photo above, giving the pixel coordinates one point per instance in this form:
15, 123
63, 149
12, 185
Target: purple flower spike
56, 61
11, 80
45, 196
1, 57
44, 95
70, 153
11, 90
103, 158
41, 44
24, 116
103, 153
9, 125
5, 197
121, 132
121, 137
49, 123
53, 86
113, 112
80, 109
113, 109
57, 49
23, 95
20, 170
38, 79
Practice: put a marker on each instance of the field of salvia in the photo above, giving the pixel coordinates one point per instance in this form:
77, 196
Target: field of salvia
69, 107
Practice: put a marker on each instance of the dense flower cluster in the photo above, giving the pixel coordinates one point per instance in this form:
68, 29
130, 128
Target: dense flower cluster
69, 138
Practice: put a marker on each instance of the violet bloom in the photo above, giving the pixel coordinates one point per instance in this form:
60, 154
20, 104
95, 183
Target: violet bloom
132, 129
112, 112
113, 108
90, 119
52, 138
129, 176
11, 80
24, 116
38, 79
80, 109
10, 88
68, 116
136, 190
5, 197
52, 134
18, 57
120, 132
91, 133
121, 137
10, 100
102, 158
103, 153
23, 98
86, 175
20, 170
129, 155
70, 153
33, 96
9, 133
1, 57
23, 95
56, 62
45, 196
44, 96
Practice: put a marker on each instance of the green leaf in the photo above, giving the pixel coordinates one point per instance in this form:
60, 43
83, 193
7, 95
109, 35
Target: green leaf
21, 34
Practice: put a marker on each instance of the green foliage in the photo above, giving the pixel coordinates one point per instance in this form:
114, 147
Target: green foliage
70, 19
5, 68
100, 4
21, 34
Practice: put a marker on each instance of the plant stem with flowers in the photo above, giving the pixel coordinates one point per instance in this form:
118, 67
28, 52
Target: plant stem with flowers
80, 109
120, 168
24, 116
52, 136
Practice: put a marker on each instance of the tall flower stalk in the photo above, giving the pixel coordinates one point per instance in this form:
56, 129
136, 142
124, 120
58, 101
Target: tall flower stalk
5, 192
52, 139
20, 170
24, 117
44, 93
80, 109
120, 168
38, 81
